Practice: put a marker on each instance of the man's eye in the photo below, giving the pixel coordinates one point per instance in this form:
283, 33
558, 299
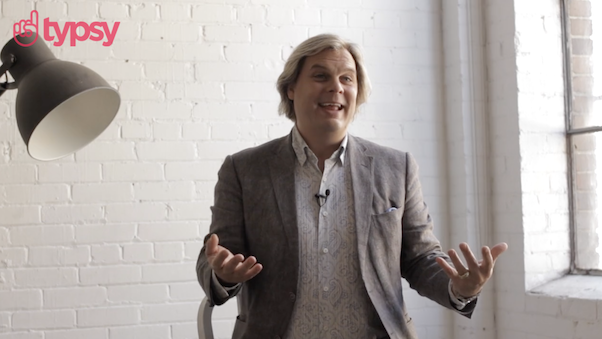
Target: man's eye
320, 76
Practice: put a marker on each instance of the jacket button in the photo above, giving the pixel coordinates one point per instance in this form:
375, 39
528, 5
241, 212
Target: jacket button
292, 296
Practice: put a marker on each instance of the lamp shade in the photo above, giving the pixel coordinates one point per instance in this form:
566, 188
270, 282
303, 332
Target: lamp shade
61, 106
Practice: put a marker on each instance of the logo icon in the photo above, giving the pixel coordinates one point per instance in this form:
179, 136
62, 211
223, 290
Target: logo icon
26, 28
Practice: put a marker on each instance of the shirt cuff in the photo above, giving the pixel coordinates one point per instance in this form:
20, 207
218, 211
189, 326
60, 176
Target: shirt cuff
458, 303
219, 289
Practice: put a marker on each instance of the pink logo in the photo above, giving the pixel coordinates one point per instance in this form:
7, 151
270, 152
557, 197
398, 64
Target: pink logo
96, 31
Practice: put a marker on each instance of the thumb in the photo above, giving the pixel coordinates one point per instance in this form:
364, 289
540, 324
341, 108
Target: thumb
211, 246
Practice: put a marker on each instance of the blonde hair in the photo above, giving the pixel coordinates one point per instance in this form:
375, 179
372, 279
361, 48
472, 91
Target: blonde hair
313, 46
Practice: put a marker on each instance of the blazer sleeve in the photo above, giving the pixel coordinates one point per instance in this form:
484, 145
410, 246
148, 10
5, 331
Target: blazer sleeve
420, 247
227, 222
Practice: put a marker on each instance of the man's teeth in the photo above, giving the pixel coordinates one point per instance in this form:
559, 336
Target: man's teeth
330, 104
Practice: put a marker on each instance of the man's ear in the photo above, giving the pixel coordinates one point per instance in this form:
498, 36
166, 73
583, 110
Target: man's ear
291, 92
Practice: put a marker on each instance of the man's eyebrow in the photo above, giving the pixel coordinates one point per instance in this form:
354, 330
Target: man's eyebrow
318, 66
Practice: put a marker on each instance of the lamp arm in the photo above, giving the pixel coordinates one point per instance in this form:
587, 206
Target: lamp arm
6, 65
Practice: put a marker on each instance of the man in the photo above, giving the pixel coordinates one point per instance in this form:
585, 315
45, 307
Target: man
314, 231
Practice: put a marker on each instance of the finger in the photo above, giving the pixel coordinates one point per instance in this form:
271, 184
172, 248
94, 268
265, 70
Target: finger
471, 261
251, 273
460, 268
498, 249
211, 246
218, 260
447, 268
34, 17
488, 261
248, 263
231, 264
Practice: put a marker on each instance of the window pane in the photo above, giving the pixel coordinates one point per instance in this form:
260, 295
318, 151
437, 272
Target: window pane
585, 29
587, 173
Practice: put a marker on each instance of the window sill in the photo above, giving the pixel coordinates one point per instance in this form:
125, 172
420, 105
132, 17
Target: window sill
573, 287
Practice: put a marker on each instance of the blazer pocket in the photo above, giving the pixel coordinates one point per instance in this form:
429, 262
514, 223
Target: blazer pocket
240, 327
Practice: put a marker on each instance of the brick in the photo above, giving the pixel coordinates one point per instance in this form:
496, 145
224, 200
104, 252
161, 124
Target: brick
17, 9
187, 291
307, 16
13, 257
116, 70
33, 194
224, 72
281, 35
22, 335
138, 212
46, 277
136, 90
334, 18
104, 233
107, 151
169, 251
173, 71
109, 275
163, 151
173, 231
170, 313
189, 330
59, 256
144, 12
92, 333
255, 53
138, 294
249, 91
278, 16
172, 272
141, 253
132, 172
108, 192
75, 297
582, 46
196, 131
135, 130
41, 235
580, 9
17, 173
198, 51
113, 11
71, 214
108, 316
175, 11
171, 32
221, 14
161, 110
143, 50
163, 191
195, 91
251, 15
189, 210
106, 254
54, 319
167, 131
221, 112
19, 215
146, 331
581, 27
205, 170
20, 300
227, 33
60, 173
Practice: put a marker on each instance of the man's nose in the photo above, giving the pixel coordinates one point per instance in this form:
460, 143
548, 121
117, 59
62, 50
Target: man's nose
336, 86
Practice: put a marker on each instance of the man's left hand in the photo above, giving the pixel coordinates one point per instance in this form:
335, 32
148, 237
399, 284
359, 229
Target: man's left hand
468, 281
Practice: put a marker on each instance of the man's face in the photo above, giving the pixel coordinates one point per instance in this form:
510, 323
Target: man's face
325, 93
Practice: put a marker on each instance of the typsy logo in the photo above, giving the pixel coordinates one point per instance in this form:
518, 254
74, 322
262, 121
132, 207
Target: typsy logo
96, 31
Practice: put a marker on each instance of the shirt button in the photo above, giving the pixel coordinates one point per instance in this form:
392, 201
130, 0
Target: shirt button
325, 213
292, 296
325, 250
326, 288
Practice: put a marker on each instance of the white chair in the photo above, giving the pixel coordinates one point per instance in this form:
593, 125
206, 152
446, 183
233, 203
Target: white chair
203, 320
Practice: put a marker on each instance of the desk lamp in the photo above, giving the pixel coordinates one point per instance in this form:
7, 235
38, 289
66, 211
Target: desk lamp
61, 106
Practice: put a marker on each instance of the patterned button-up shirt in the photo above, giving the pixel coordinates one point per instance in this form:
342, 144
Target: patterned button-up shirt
332, 301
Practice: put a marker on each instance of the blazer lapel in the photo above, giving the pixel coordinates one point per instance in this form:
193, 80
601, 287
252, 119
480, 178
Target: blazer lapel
282, 173
362, 183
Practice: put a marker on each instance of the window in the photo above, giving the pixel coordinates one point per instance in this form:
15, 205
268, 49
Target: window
583, 64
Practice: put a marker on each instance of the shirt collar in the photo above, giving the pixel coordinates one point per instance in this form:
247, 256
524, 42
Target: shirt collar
302, 150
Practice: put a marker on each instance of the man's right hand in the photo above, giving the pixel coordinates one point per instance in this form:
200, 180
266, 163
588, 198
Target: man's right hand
229, 268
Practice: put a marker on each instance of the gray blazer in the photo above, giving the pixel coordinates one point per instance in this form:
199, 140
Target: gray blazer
254, 214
